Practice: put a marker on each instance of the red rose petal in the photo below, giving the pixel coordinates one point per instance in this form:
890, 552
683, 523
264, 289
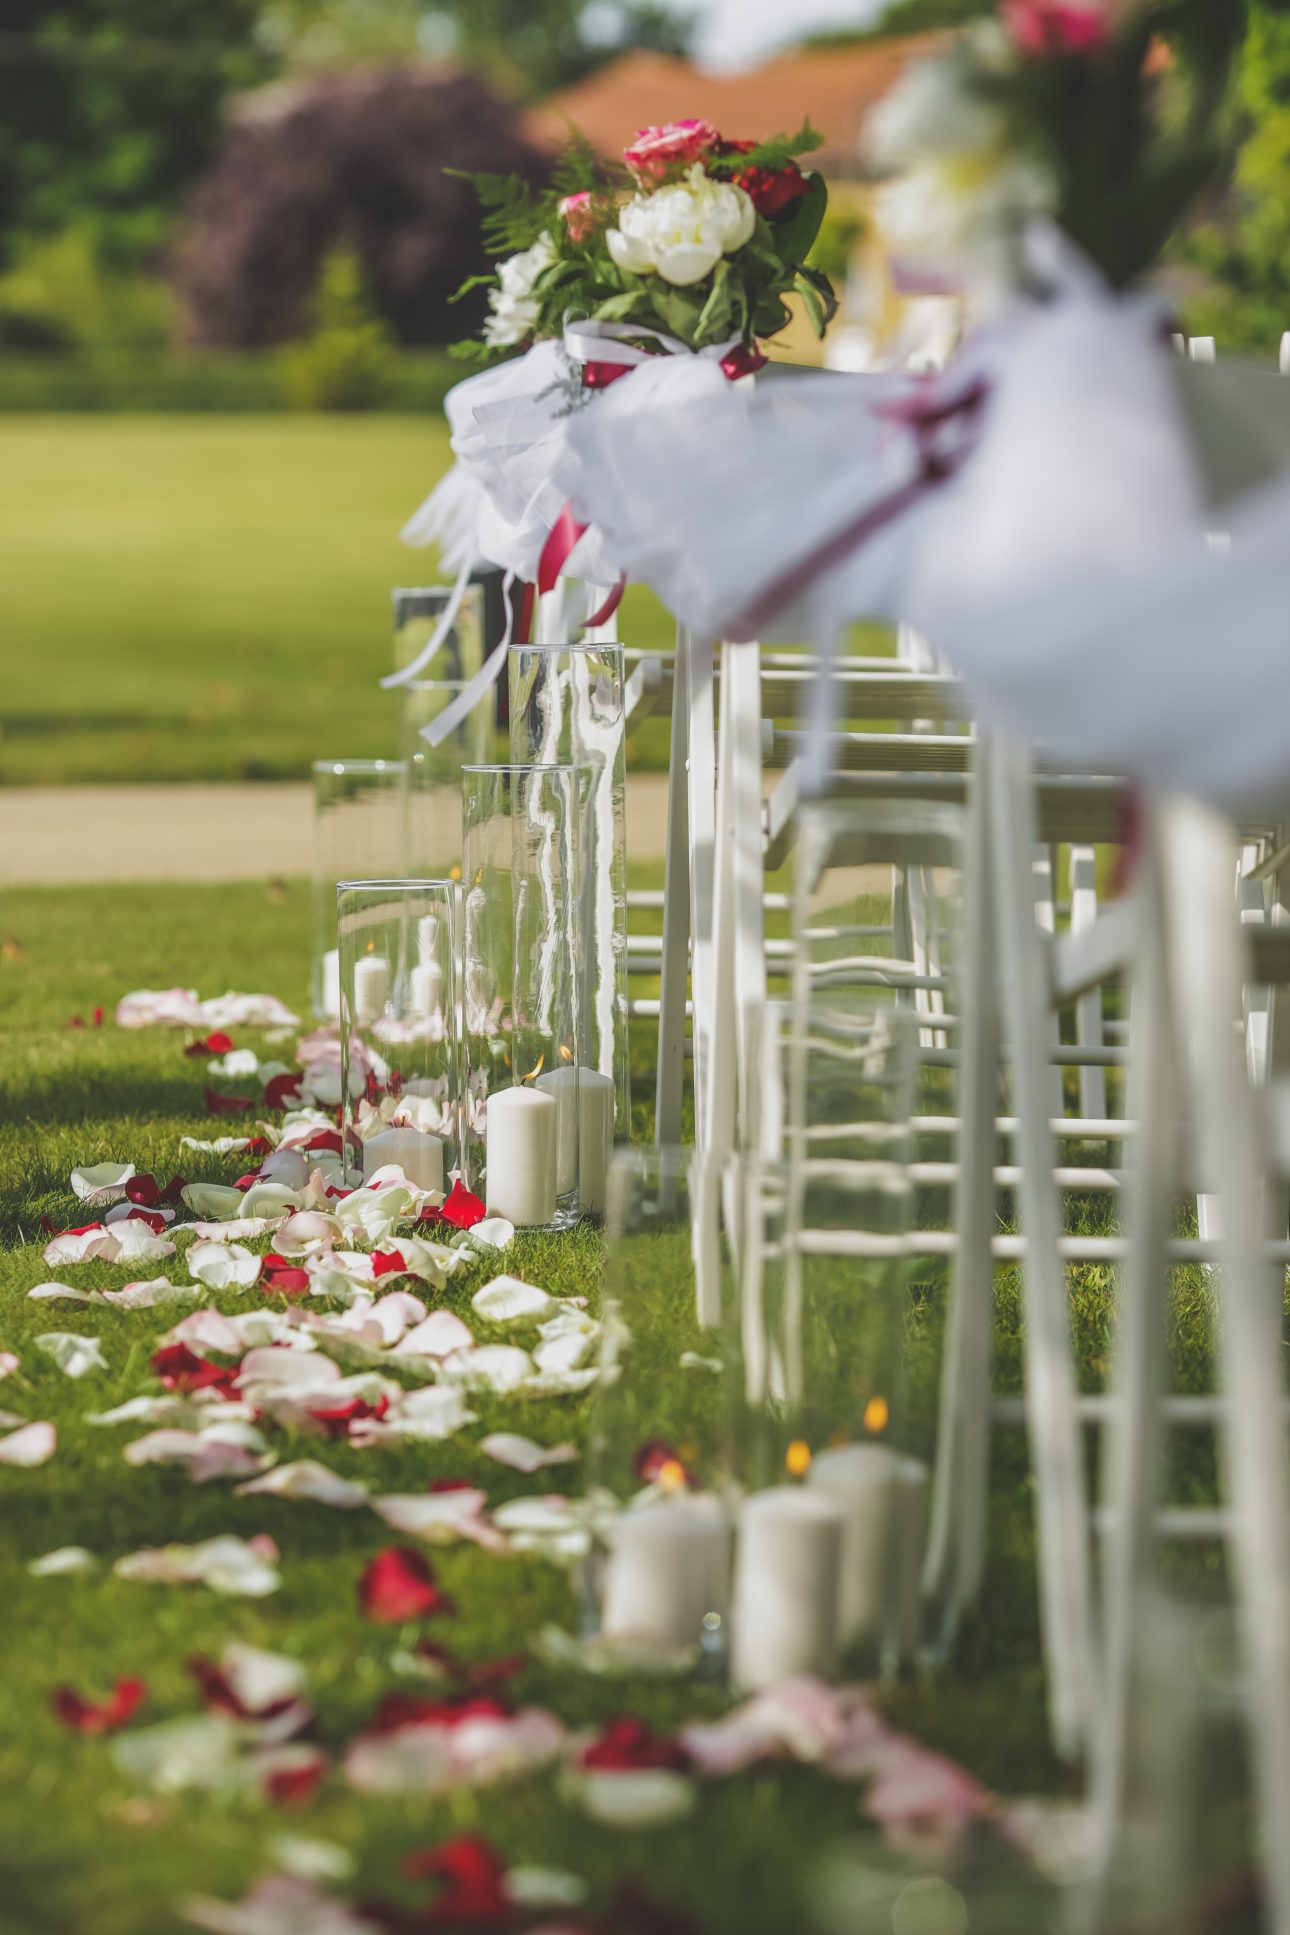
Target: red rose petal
218, 1693
105, 1716
181, 1369
282, 1091
416, 1710
461, 1209
293, 1786
153, 1218
98, 1017
388, 1263
282, 1277
48, 1225
398, 1585
337, 1419
327, 1141
226, 1104
473, 1894
75, 1021
630, 1743
144, 1191
258, 1145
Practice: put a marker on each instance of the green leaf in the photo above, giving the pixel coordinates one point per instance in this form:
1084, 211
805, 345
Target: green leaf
796, 230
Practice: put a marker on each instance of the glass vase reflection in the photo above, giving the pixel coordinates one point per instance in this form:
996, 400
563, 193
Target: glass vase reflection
360, 832
434, 772
418, 611
538, 1124
567, 708
399, 1043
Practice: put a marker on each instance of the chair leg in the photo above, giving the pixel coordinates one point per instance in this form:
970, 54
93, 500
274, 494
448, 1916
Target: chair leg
1056, 1445
1088, 1009
1209, 968
702, 804
956, 1538
676, 915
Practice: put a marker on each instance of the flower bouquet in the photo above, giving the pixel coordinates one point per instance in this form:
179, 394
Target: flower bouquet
696, 238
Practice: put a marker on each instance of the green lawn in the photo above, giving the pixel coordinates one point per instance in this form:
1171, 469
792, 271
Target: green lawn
80, 1849
205, 598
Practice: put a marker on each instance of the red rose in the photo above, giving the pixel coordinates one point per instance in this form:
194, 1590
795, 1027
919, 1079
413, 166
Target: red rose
772, 189
658, 153
579, 212
1057, 26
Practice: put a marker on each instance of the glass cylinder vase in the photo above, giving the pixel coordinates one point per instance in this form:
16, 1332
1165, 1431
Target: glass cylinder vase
398, 1017
418, 610
434, 772
360, 833
567, 708
537, 1132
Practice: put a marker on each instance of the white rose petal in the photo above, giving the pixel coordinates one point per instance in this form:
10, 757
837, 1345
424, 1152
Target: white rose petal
64, 1562
635, 1797
229, 1565
495, 1367
75, 1356
31, 1445
213, 1202
441, 1335
522, 1454
102, 1183
309, 1480
224, 1266
509, 1300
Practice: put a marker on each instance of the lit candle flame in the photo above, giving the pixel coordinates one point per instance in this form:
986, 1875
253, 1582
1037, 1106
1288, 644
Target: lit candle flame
671, 1476
876, 1414
566, 1054
535, 1070
798, 1458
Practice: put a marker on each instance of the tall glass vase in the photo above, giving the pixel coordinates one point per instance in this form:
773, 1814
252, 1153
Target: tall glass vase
418, 610
529, 1104
434, 772
360, 833
567, 708
398, 1016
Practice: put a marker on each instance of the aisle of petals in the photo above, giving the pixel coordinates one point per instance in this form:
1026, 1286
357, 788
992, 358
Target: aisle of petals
351, 1344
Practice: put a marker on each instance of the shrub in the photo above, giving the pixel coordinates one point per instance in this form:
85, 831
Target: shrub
345, 364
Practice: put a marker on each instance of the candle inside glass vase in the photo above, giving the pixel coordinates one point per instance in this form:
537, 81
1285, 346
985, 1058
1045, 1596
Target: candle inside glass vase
398, 1029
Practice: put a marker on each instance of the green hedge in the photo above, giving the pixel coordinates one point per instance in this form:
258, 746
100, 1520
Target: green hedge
216, 381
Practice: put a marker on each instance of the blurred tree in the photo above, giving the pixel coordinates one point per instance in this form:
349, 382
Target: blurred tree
356, 160
345, 364
1245, 250
110, 109
904, 17
528, 47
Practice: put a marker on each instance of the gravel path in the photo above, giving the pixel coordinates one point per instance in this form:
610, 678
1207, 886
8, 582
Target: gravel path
65, 835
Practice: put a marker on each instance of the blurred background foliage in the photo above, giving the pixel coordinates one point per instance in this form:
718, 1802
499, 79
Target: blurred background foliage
240, 204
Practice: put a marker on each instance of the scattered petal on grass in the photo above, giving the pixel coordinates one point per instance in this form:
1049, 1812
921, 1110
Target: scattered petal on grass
101, 1183
306, 1479
75, 1356
9, 1363
531, 1887
238, 1567
220, 1145
78, 1246
801, 1718
472, 1750
61, 1293
442, 1333
101, 1716
427, 1415
309, 1859
440, 1517
398, 1585
191, 1751
307, 1232
650, 1797
509, 1300
63, 1563
205, 1330
217, 1104
224, 1266
495, 1367
278, 1905
690, 1360
552, 1526
460, 1209
148, 1295
250, 1683
522, 1454
544, 1384
213, 1202
31, 1445
494, 1231
222, 1450
471, 1879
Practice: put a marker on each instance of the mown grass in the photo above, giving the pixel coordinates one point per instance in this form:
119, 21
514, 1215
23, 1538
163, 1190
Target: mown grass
196, 597
80, 1849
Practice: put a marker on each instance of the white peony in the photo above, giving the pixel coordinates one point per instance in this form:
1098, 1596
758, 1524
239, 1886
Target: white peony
682, 232
515, 312
963, 192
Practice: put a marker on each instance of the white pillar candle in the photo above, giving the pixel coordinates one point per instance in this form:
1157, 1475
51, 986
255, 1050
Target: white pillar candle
331, 984
861, 1481
520, 1140
371, 985
785, 1609
428, 936
419, 1156
592, 1146
909, 1526
427, 986
668, 1568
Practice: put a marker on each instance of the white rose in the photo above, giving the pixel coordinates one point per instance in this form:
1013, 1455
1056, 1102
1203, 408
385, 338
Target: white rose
515, 312
682, 232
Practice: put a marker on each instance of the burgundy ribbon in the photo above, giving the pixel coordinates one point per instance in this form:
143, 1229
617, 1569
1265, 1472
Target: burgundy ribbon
935, 467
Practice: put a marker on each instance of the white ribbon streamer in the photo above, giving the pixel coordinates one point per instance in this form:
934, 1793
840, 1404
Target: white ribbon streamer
447, 619
584, 340
483, 681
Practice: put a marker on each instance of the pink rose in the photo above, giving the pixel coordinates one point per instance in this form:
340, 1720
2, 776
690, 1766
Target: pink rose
579, 212
1057, 26
658, 153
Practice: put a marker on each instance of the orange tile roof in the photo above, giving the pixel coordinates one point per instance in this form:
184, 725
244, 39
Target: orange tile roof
834, 86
